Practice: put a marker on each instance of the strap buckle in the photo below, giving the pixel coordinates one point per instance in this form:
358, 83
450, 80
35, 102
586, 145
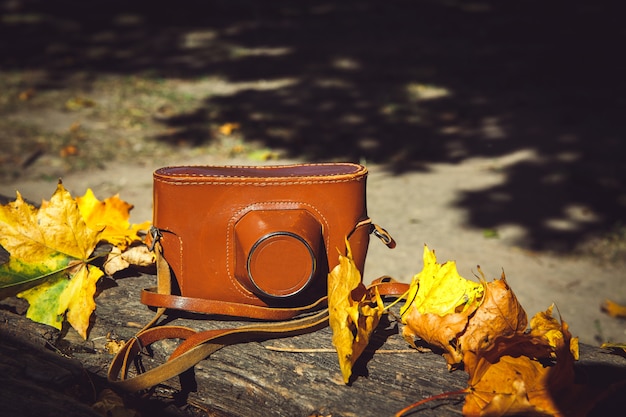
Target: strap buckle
155, 236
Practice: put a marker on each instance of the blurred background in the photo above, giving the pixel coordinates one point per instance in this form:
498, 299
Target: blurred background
535, 88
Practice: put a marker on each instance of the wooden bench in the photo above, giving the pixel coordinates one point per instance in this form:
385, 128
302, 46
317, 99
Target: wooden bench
297, 376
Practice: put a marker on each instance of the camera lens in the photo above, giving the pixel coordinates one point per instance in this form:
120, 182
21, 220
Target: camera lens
281, 264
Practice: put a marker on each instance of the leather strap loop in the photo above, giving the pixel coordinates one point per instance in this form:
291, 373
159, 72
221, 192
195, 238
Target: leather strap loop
224, 308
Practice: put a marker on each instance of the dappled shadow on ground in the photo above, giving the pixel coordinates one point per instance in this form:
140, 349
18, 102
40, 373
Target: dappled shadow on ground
402, 83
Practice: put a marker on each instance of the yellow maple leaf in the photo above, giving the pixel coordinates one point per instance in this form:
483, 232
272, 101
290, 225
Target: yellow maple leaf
50, 246
32, 234
352, 321
111, 217
439, 305
439, 289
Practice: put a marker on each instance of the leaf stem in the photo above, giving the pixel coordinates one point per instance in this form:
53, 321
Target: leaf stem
432, 398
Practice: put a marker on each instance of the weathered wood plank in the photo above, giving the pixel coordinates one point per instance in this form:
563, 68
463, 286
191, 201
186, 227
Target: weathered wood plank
249, 379
35, 381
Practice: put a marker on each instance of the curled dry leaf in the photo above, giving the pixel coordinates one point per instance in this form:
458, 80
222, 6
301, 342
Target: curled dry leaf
500, 315
114, 346
510, 381
546, 327
352, 321
110, 404
118, 261
458, 315
139, 256
114, 262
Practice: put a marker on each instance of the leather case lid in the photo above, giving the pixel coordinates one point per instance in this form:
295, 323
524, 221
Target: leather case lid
319, 172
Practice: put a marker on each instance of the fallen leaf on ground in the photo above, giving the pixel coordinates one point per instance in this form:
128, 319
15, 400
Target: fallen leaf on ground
69, 150
27, 94
619, 348
614, 309
114, 346
33, 235
500, 315
50, 247
78, 103
110, 404
118, 261
227, 129
507, 379
439, 305
544, 325
352, 321
111, 218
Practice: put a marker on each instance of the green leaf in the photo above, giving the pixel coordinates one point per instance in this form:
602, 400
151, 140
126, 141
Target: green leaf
47, 309
17, 276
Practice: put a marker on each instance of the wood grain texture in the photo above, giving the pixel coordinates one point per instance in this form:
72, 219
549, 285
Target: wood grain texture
249, 379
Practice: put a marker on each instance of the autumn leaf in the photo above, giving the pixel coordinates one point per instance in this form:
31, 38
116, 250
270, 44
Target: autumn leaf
500, 315
33, 235
544, 325
619, 348
509, 381
137, 255
352, 321
439, 305
70, 298
614, 309
512, 370
49, 250
227, 129
110, 404
17, 276
439, 289
111, 217
78, 103
502, 388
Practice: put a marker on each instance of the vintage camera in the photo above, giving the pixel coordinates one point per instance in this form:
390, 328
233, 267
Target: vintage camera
259, 235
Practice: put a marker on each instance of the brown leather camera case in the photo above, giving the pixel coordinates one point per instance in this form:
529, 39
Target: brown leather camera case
260, 235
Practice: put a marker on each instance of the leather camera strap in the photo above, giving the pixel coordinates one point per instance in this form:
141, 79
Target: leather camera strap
197, 346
